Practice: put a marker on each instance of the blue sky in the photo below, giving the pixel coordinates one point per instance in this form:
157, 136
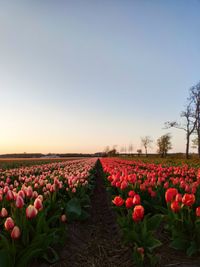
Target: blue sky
76, 76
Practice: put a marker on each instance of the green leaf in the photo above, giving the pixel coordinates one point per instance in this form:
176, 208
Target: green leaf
5, 259
179, 243
84, 215
85, 201
153, 243
4, 243
26, 258
192, 249
153, 259
73, 208
51, 256
154, 222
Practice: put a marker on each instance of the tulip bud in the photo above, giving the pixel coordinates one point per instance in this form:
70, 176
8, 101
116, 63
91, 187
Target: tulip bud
19, 202
38, 204
31, 212
9, 195
15, 234
21, 193
9, 224
4, 213
140, 250
63, 218
136, 199
138, 213
198, 211
118, 201
29, 192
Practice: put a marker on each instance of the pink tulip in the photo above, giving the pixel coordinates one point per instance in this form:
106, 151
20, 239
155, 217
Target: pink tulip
31, 212
63, 218
38, 204
15, 234
9, 224
19, 202
4, 213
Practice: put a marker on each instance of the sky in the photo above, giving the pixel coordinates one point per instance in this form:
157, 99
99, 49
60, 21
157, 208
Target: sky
77, 76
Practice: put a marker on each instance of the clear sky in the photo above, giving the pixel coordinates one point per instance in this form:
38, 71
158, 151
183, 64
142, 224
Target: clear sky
76, 76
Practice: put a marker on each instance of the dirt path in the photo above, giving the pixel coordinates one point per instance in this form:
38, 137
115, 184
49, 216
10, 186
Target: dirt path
97, 241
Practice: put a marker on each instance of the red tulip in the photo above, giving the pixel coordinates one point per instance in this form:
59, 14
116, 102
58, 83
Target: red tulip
129, 202
188, 199
124, 185
118, 201
136, 199
131, 193
175, 207
140, 250
138, 213
178, 197
198, 211
170, 194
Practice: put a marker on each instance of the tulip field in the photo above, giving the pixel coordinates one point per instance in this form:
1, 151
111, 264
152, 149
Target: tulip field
35, 204
154, 206
153, 200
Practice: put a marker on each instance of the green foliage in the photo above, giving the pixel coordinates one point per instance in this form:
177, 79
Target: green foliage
141, 235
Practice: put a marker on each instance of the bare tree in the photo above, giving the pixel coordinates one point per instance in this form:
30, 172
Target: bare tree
130, 148
122, 149
146, 143
195, 100
164, 144
107, 148
188, 126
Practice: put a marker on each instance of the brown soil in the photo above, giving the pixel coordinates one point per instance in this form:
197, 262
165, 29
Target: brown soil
169, 257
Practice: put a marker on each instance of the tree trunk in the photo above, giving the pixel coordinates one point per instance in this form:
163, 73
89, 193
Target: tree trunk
199, 143
187, 146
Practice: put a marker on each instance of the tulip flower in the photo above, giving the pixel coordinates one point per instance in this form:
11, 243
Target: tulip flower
170, 194
15, 234
63, 218
4, 213
9, 224
138, 213
38, 204
129, 202
175, 207
9, 195
198, 211
118, 201
188, 199
136, 199
31, 212
19, 202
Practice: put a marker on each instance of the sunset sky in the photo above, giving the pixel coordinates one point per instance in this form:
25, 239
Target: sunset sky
76, 76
